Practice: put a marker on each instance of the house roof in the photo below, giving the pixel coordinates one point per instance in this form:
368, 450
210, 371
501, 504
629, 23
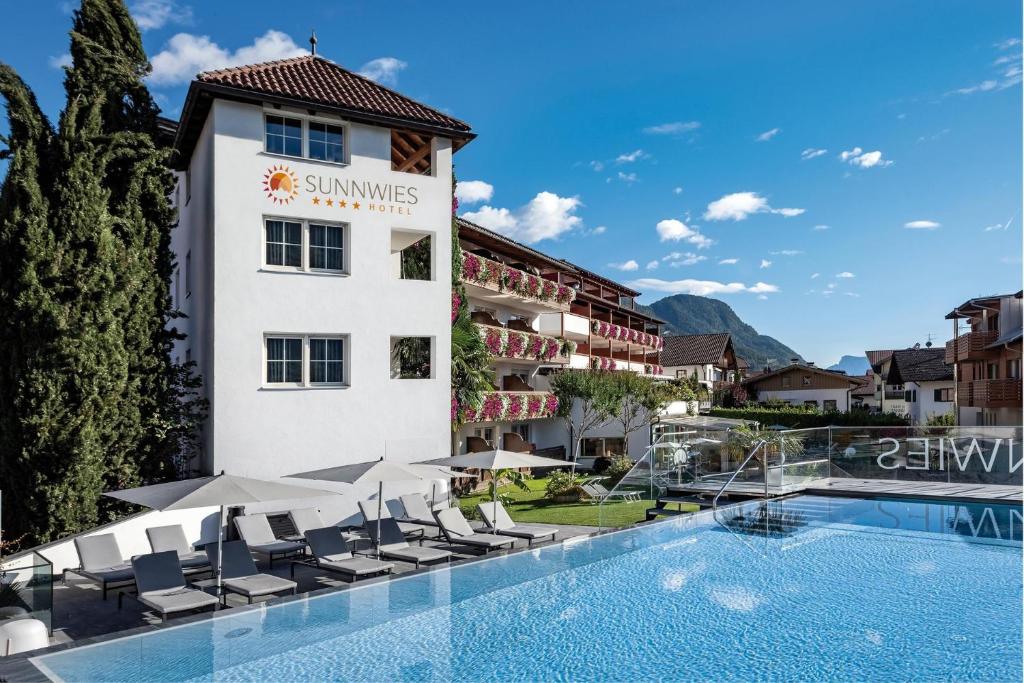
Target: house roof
313, 80
742, 364
865, 389
853, 380
919, 365
694, 349
975, 305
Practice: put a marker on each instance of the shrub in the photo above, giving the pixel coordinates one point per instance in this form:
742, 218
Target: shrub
562, 483
800, 417
619, 468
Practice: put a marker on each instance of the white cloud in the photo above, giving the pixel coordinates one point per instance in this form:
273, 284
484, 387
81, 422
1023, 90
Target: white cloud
672, 230
677, 259
630, 157
765, 263
60, 61
845, 274
858, 157
1007, 44
473, 191
383, 70
853, 294
628, 178
996, 226
984, 86
597, 165
728, 261
700, 287
599, 230
768, 134
787, 252
822, 227
831, 285
153, 14
811, 153
186, 55
677, 190
921, 225
626, 266
739, 205
652, 265
673, 128
546, 216
762, 297
814, 276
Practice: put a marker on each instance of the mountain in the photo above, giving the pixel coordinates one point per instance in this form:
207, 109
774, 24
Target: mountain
688, 314
852, 365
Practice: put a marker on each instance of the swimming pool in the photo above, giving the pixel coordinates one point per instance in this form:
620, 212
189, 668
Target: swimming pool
838, 589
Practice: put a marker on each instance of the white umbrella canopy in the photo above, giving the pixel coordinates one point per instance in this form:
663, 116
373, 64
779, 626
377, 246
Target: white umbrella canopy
498, 459
221, 490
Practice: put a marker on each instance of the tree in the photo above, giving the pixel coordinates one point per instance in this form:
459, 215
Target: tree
594, 396
637, 401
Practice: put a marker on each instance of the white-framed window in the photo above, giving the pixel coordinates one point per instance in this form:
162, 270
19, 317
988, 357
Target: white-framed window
296, 136
304, 360
302, 245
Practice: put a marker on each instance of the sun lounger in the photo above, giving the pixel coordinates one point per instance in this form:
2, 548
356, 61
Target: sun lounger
598, 492
497, 520
161, 585
172, 537
330, 552
240, 575
456, 530
102, 562
256, 532
417, 511
305, 519
394, 546
369, 510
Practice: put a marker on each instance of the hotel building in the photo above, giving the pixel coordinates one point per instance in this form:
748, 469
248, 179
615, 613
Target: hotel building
987, 358
537, 315
314, 267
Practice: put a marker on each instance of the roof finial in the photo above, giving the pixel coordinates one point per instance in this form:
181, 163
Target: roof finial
312, 42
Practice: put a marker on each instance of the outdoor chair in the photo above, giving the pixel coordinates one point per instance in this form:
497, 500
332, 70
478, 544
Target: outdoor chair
456, 530
484, 318
394, 546
515, 383
417, 511
240, 575
329, 551
161, 585
102, 562
369, 510
475, 444
172, 537
517, 444
256, 532
520, 325
598, 492
498, 520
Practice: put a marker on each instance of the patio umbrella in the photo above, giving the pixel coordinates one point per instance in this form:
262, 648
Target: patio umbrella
497, 459
221, 490
377, 471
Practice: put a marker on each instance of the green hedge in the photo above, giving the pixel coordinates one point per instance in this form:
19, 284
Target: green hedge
798, 417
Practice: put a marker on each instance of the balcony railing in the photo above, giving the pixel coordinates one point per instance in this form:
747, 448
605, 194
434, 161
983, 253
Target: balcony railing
970, 346
513, 406
500, 278
989, 393
626, 335
517, 345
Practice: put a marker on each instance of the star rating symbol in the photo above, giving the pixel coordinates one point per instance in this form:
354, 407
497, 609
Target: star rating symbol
342, 204
330, 202
355, 205
316, 201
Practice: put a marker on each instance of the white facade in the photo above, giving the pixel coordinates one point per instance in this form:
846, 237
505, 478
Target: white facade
234, 299
799, 397
923, 403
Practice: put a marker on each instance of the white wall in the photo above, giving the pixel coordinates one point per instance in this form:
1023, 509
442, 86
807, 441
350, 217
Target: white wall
267, 432
798, 396
926, 406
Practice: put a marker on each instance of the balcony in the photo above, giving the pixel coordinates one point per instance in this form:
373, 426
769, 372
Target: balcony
503, 285
519, 345
971, 346
618, 337
565, 325
514, 406
989, 393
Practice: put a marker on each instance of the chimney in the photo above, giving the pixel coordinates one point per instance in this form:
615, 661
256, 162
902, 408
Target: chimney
794, 361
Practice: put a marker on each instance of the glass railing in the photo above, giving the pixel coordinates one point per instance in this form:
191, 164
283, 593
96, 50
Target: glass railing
26, 588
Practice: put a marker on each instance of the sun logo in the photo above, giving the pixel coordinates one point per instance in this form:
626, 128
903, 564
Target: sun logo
281, 184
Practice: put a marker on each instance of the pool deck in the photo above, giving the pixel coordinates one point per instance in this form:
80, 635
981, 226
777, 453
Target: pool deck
80, 614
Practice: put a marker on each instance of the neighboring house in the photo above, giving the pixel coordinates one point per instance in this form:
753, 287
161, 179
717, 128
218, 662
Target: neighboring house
888, 397
800, 384
592, 322
927, 382
709, 357
863, 397
987, 359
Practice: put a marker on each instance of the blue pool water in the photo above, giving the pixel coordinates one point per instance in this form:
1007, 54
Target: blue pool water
840, 589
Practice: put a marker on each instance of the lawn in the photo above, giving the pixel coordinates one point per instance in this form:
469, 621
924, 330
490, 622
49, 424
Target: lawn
532, 506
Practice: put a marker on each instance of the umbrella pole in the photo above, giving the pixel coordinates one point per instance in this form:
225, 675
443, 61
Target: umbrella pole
494, 511
220, 548
380, 507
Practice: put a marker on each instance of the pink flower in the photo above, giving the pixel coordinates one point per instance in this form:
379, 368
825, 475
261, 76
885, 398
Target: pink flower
566, 294
612, 365
515, 407
549, 290
471, 266
532, 285
536, 347
492, 408
533, 406
550, 348
550, 404
613, 331
490, 272
455, 409
516, 344
494, 342
470, 413
513, 277
456, 302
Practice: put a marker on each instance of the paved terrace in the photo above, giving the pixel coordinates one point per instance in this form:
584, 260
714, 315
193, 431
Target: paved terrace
79, 612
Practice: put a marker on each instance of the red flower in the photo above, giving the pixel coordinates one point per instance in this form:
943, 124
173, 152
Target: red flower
516, 344
493, 342
471, 266
492, 408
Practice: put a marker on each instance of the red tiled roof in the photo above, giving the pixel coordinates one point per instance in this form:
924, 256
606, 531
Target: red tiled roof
694, 349
317, 80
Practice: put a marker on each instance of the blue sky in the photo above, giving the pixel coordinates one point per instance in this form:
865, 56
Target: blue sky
841, 173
